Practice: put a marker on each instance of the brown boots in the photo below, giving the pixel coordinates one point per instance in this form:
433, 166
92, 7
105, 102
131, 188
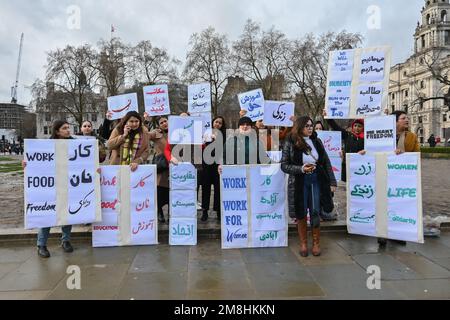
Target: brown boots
303, 235
316, 242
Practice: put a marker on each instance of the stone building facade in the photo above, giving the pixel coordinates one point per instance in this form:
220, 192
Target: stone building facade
412, 80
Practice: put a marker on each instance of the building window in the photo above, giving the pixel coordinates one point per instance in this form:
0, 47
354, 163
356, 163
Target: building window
45, 130
406, 93
393, 96
420, 119
422, 38
444, 15
444, 117
75, 130
48, 117
447, 37
94, 117
422, 84
392, 109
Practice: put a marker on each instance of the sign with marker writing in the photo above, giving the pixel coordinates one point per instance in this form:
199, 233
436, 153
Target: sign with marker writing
357, 82
384, 196
185, 130
380, 134
62, 185
206, 123
119, 106
183, 204
255, 194
156, 100
332, 142
128, 207
199, 97
252, 102
278, 113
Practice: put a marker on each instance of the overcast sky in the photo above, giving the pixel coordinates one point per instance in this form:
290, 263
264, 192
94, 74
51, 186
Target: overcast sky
169, 24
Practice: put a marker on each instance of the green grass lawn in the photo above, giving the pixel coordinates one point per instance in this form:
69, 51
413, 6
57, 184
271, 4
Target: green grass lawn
11, 167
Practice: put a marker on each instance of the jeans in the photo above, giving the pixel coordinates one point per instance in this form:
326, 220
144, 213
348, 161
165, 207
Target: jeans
311, 198
45, 232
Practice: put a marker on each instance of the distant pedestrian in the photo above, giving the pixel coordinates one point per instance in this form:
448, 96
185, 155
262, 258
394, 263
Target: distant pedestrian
432, 141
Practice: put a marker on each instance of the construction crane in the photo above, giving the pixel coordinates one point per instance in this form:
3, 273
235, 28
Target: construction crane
16, 84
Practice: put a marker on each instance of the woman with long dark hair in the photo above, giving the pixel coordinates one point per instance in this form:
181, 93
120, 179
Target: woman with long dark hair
311, 180
210, 172
129, 142
60, 130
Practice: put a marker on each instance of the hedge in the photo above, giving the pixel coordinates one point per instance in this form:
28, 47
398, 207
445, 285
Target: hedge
435, 150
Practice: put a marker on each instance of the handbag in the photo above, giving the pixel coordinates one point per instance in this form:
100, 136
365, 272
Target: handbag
161, 163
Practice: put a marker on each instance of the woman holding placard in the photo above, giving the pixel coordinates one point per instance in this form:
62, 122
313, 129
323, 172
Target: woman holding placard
311, 180
129, 142
60, 130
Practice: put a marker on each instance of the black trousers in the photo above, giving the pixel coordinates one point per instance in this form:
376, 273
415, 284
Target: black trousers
163, 197
210, 177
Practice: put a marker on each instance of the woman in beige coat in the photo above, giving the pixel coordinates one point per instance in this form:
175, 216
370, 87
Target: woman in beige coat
129, 142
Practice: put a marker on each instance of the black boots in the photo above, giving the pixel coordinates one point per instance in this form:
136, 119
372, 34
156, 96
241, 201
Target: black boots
67, 247
43, 252
204, 215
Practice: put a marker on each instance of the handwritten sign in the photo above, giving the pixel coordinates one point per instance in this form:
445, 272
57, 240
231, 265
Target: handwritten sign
199, 98
252, 102
372, 66
264, 204
361, 189
357, 82
370, 99
384, 196
183, 204
156, 100
185, 130
61, 185
332, 142
119, 106
380, 134
206, 125
128, 207
278, 113
404, 197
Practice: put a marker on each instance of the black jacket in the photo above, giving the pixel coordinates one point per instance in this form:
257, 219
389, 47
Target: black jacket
292, 162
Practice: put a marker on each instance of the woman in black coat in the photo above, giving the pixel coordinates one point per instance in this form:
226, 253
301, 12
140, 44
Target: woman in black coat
311, 180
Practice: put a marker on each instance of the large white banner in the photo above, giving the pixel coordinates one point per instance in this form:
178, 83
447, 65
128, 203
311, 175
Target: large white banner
206, 119
252, 102
119, 106
183, 204
185, 130
358, 82
156, 100
199, 97
380, 134
128, 207
254, 206
62, 185
332, 141
278, 113
384, 196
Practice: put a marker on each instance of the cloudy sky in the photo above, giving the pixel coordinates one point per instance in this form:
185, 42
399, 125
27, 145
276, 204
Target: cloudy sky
49, 24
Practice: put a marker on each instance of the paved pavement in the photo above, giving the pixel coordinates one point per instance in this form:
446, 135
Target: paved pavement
207, 272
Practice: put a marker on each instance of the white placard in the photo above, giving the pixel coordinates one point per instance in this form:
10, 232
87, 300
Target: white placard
372, 66
185, 130
370, 99
156, 100
206, 123
252, 102
183, 232
380, 134
62, 186
199, 98
183, 176
119, 106
341, 65
278, 113
332, 142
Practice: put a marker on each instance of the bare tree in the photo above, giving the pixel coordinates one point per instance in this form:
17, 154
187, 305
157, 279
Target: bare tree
153, 64
113, 64
207, 60
71, 72
437, 62
258, 56
306, 66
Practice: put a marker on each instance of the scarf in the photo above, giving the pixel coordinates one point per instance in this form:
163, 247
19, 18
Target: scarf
401, 141
129, 154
